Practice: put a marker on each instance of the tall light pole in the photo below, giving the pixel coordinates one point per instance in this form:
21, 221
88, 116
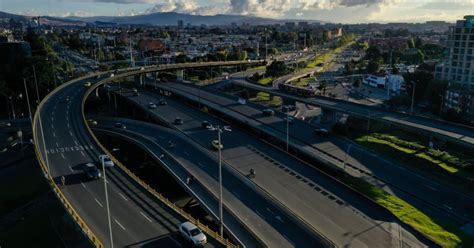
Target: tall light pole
36, 83
219, 147
287, 126
13, 107
107, 204
345, 156
27, 98
412, 97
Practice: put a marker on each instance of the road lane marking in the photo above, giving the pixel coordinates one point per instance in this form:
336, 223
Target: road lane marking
278, 217
429, 187
120, 225
83, 154
57, 144
261, 215
269, 210
70, 168
98, 202
75, 142
146, 217
125, 198
83, 185
199, 163
54, 134
448, 207
186, 153
70, 133
62, 155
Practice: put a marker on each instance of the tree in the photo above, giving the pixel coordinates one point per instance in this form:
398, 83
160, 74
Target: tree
277, 69
373, 52
182, 58
374, 65
356, 83
348, 68
411, 43
418, 42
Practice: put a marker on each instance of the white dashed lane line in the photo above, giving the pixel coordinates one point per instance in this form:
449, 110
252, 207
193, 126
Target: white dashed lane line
83, 185
125, 198
62, 155
98, 202
70, 168
120, 225
146, 217
83, 154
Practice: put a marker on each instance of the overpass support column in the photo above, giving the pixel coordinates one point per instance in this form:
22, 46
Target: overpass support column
327, 115
180, 75
286, 101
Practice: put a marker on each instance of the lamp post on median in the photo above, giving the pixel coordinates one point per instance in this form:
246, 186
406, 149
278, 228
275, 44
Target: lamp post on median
219, 147
412, 97
107, 199
345, 157
287, 126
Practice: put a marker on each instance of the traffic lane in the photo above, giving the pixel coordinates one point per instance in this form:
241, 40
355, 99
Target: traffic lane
119, 228
313, 206
198, 190
336, 147
233, 185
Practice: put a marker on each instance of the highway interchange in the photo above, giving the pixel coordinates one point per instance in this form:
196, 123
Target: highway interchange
360, 162
309, 194
288, 204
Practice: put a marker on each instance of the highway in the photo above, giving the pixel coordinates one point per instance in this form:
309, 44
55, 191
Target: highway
408, 185
452, 132
137, 218
338, 213
268, 222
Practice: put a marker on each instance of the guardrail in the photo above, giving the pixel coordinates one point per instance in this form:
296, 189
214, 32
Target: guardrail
62, 198
150, 189
224, 113
161, 161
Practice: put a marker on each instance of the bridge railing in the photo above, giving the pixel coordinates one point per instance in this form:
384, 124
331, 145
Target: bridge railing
44, 167
150, 189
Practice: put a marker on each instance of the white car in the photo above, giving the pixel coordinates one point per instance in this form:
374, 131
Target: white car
87, 84
190, 232
105, 159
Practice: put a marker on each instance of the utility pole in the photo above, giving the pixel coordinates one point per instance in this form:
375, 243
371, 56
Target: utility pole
27, 98
107, 203
412, 97
36, 84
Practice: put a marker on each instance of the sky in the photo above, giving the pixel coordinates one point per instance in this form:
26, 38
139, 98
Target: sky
339, 11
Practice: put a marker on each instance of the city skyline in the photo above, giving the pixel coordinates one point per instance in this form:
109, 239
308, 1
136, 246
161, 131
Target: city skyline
360, 11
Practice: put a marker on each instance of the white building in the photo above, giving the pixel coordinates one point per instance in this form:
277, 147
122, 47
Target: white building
392, 82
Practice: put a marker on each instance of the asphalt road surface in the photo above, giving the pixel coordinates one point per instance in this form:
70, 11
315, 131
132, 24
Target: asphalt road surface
343, 216
137, 218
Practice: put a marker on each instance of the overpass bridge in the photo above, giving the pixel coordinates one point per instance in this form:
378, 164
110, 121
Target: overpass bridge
246, 206
314, 197
455, 133
64, 143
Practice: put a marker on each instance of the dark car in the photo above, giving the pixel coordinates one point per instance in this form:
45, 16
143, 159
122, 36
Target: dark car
268, 112
151, 105
162, 102
178, 121
206, 124
120, 125
91, 171
321, 132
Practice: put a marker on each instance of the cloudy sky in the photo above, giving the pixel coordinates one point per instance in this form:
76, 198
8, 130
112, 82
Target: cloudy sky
344, 11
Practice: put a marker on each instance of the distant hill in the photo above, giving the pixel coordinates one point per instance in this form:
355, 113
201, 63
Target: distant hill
157, 19
171, 18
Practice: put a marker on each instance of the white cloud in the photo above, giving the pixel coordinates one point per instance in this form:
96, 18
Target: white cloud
185, 6
264, 8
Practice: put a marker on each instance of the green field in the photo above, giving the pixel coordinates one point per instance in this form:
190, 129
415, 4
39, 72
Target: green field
449, 167
442, 233
265, 81
264, 98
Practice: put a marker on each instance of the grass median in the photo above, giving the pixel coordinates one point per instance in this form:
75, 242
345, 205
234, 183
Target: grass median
443, 234
449, 167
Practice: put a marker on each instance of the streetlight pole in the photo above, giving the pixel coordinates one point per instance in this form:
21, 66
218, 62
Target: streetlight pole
287, 126
27, 98
412, 97
221, 224
219, 131
13, 107
345, 157
36, 83
107, 204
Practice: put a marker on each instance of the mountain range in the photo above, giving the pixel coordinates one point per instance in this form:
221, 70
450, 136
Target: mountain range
157, 19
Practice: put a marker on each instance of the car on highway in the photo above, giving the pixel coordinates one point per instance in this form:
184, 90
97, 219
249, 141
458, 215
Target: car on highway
162, 102
67, 99
112, 75
321, 132
268, 112
178, 121
105, 159
192, 233
135, 92
92, 122
215, 144
151, 105
120, 125
91, 171
87, 84
206, 124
